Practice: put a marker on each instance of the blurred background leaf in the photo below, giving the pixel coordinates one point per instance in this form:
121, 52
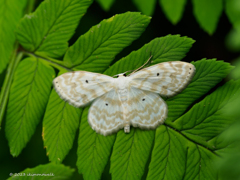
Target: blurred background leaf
106, 4
173, 9
206, 12
229, 165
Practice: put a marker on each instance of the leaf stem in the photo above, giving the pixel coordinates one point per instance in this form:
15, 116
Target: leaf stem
7, 83
60, 65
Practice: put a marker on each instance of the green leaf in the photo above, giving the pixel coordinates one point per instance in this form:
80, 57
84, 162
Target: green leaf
208, 74
175, 157
168, 48
173, 9
233, 12
47, 30
10, 13
208, 13
146, 7
205, 121
93, 150
45, 172
131, 153
60, 124
27, 101
95, 50
106, 4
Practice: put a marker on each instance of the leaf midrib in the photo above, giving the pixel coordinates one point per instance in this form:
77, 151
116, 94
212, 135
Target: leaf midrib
165, 169
59, 131
94, 147
130, 153
200, 158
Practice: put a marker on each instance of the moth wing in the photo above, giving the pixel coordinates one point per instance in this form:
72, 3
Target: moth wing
147, 110
105, 115
167, 79
79, 88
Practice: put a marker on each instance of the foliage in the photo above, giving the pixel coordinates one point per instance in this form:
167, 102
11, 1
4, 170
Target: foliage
185, 147
207, 13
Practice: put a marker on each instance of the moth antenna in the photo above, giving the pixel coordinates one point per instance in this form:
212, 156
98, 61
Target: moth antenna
141, 66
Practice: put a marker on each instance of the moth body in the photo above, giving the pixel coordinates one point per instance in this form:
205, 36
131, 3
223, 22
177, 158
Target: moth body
122, 85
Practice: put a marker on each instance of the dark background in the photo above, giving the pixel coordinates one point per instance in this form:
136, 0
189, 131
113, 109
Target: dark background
206, 46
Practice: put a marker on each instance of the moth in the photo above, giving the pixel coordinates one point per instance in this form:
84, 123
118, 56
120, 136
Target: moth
133, 99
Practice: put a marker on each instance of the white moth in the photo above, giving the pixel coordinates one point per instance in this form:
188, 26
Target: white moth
126, 100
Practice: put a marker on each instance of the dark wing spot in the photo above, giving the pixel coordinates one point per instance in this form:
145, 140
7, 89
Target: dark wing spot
190, 68
124, 75
189, 72
157, 74
117, 76
86, 81
143, 99
106, 104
